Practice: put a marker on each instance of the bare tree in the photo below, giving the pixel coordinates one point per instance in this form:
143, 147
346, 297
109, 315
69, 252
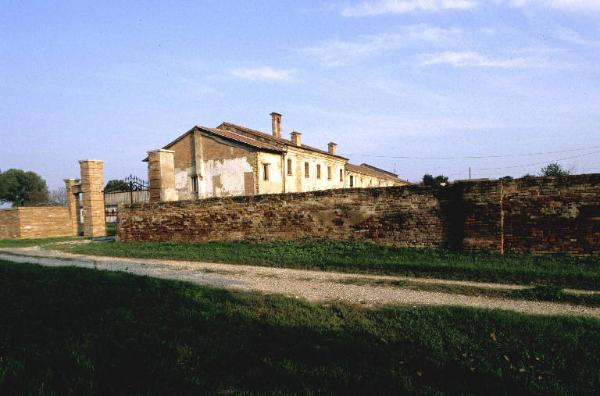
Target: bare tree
58, 196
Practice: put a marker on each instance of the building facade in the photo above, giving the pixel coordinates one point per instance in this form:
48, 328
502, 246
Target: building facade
234, 160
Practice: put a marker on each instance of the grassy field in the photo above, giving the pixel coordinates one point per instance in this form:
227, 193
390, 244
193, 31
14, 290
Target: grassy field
561, 271
535, 293
76, 331
16, 243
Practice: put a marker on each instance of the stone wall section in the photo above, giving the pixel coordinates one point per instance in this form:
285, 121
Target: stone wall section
537, 215
389, 216
9, 224
44, 222
553, 215
35, 222
481, 213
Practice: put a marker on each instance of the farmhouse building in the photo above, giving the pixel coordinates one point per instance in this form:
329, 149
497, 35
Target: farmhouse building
234, 160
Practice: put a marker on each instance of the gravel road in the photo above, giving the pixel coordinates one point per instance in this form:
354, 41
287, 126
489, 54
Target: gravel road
316, 286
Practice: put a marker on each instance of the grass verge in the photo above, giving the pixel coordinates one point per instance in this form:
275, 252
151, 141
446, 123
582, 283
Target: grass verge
561, 271
17, 243
77, 331
536, 293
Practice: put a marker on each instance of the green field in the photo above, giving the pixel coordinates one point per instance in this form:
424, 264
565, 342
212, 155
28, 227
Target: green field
18, 243
560, 271
534, 293
77, 331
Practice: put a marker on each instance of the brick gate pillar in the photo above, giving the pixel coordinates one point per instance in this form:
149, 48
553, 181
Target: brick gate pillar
92, 185
161, 175
72, 187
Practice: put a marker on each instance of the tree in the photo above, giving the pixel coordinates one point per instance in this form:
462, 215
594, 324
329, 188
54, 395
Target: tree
438, 181
22, 188
58, 196
554, 169
116, 185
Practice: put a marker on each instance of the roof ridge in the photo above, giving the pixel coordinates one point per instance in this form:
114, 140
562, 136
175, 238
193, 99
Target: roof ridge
224, 130
378, 169
241, 138
279, 140
368, 170
251, 130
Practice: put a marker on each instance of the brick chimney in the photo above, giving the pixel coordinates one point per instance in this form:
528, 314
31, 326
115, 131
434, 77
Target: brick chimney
276, 124
296, 138
331, 148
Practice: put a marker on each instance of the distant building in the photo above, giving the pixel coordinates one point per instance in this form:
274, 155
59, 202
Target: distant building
234, 160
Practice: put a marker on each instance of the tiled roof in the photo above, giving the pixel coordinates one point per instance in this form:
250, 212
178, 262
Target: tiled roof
242, 139
370, 170
266, 137
378, 169
229, 136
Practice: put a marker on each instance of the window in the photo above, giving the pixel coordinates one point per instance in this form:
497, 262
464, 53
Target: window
341, 175
266, 171
351, 181
289, 167
306, 170
195, 184
318, 171
329, 173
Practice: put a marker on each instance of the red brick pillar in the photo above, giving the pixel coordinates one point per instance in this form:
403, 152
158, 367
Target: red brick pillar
92, 186
161, 175
72, 190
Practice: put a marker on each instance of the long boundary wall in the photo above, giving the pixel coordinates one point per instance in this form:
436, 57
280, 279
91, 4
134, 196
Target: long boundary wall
35, 222
393, 216
536, 215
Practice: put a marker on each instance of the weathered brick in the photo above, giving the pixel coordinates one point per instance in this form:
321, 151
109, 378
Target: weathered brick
35, 222
539, 215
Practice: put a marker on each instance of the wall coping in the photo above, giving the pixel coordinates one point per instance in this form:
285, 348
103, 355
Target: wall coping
536, 181
45, 207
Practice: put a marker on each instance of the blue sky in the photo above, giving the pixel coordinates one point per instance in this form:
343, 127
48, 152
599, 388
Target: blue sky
386, 80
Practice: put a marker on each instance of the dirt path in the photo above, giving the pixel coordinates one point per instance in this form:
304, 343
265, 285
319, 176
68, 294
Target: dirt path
311, 285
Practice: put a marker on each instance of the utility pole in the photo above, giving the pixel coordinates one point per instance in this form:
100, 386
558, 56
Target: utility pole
469, 173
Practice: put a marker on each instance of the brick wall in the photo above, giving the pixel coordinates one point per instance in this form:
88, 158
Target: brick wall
481, 214
393, 216
9, 224
549, 215
539, 215
35, 222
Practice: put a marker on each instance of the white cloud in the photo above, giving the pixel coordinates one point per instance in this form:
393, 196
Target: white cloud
381, 7
573, 37
474, 59
262, 74
569, 5
340, 52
